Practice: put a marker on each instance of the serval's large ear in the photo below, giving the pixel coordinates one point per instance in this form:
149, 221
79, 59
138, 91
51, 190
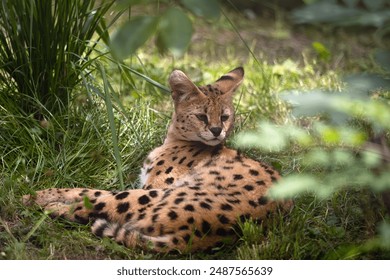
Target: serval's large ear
229, 82
183, 89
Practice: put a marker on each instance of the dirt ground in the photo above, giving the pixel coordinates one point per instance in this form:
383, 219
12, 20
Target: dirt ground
277, 40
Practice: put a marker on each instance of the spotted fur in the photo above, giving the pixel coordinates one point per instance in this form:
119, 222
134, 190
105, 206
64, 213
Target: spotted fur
194, 189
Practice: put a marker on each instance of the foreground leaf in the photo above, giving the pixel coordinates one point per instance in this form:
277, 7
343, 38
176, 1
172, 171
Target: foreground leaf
132, 35
175, 31
204, 8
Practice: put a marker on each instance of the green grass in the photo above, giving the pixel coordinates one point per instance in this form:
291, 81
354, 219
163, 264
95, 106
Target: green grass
44, 45
79, 149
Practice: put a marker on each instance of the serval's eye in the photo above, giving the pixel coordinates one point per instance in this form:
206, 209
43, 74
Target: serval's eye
203, 118
224, 118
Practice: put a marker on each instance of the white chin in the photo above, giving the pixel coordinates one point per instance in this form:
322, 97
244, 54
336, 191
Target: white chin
213, 142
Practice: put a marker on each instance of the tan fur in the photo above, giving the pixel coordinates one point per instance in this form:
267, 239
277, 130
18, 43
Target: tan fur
194, 189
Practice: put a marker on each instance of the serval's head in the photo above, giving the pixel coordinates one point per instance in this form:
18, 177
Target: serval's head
203, 113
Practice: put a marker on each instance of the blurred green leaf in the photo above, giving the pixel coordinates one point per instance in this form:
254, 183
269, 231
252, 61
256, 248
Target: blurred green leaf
384, 231
371, 158
317, 157
205, 8
293, 185
267, 137
332, 12
343, 157
322, 51
328, 134
360, 85
315, 102
323, 11
373, 111
175, 31
130, 36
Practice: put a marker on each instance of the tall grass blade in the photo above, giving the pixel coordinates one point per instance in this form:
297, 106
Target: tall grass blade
114, 135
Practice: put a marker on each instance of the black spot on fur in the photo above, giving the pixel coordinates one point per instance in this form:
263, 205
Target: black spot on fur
190, 164
179, 200
248, 188
172, 215
253, 203
161, 162
200, 194
169, 180
237, 177
226, 207
197, 152
150, 229
121, 195
168, 170
99, 206
270, 171
205, 205
189, 208
101, 215
190, 220
198, 233
187, 238
253, 172
223, 219
155, 217
234, 201
167, 194
220, 178
244, 217
184, 227
143, 199
206, 227
97, 193
122, 207
263, 200
81, 220
141, 216
153, 194
260, 183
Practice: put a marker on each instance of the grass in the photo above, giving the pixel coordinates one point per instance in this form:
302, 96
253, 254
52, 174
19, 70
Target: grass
79, 149
40, 55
